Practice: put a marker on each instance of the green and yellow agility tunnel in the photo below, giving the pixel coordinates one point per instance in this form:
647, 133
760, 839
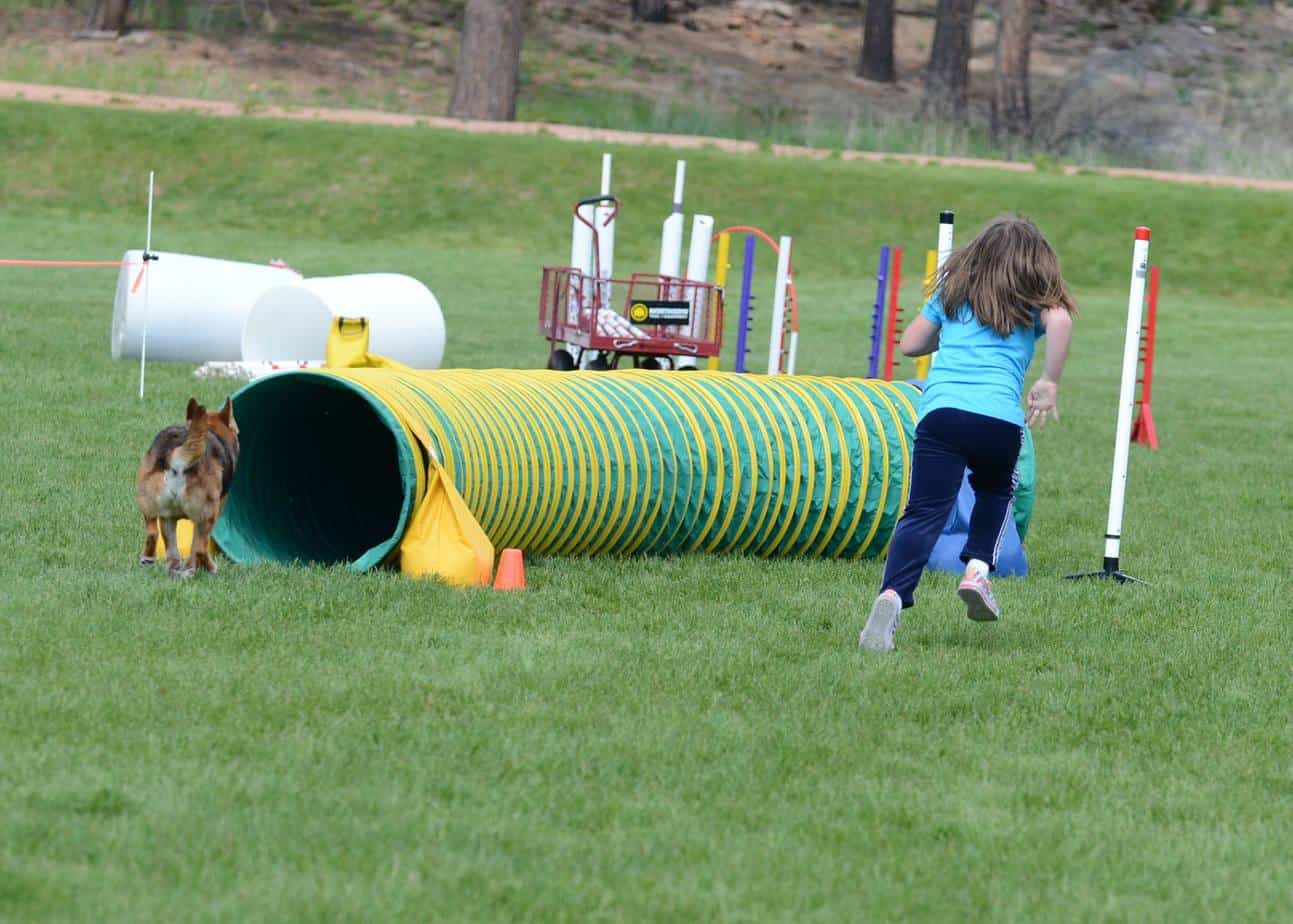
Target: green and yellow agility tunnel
341, 466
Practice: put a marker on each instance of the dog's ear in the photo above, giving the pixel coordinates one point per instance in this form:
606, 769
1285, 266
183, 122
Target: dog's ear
193, 410
226, 412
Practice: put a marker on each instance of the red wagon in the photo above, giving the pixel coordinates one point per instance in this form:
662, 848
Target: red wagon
664, 319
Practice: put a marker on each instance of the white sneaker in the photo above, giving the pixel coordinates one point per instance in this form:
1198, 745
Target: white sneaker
882, 624
976, 591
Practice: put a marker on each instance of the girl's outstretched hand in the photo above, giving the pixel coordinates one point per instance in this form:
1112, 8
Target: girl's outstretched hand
1041, 401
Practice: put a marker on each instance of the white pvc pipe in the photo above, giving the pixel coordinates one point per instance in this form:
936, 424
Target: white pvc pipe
581, 240
702, 231
581, 258
1126, 397
779, 308
671, 245
611, 324
604, 267
606, 234
671, 234
946, 219
196, 306
606, 174
291, 323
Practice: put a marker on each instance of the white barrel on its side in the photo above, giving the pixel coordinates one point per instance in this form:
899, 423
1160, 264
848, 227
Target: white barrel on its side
196, 305
291, 322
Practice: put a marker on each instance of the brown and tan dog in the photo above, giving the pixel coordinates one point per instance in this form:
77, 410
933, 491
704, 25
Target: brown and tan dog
187, 472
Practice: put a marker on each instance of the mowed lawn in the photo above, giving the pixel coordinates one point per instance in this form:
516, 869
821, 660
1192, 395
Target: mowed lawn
685, 739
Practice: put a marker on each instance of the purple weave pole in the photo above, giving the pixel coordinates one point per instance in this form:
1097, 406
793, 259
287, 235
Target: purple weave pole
877, 318
744, 320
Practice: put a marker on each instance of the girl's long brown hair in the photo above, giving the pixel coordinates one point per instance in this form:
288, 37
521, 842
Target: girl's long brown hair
1002, 275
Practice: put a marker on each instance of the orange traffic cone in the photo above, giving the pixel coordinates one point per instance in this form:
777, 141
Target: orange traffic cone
511, 571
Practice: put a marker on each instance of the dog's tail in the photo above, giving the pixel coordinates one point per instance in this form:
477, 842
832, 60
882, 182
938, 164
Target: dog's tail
195, 443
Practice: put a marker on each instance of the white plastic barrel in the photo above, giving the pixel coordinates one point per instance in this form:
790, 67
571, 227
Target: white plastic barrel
291, 322
196, 305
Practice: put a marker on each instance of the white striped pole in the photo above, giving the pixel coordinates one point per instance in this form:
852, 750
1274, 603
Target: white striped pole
1126, 398
148, 256
794, 317
1126, 408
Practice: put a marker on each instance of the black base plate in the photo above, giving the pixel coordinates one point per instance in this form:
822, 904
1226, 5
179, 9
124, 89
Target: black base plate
1110, 575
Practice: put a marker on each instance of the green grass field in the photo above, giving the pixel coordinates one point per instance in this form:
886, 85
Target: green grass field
688, 738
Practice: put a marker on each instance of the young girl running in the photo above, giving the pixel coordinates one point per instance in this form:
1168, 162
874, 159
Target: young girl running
994, 298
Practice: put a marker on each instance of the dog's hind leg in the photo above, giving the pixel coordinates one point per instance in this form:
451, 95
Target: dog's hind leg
149, 555
201, 557
175, 566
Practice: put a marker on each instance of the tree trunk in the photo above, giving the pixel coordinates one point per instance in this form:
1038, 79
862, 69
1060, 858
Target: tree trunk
112, 18
877, 43
947, 82
650, 10
1011, 110
1162, 10
489, 64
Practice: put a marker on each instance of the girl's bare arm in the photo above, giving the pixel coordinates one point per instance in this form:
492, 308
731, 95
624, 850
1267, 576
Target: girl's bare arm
1059, 331
1043, 396
920, 337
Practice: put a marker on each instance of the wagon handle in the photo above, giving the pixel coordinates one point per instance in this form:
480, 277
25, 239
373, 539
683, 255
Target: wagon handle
594, 200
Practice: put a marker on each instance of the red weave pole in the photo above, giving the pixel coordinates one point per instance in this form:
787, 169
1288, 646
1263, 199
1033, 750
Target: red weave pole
891, 332
1151, 329
1142, 431
66, 263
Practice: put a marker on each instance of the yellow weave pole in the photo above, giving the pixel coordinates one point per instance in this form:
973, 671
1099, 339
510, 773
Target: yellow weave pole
720, 279
931, 277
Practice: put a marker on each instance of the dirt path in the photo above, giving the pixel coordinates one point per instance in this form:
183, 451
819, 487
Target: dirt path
75, 96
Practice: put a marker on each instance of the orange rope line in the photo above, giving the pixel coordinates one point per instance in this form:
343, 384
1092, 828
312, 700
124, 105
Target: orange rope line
791, 290
65, 263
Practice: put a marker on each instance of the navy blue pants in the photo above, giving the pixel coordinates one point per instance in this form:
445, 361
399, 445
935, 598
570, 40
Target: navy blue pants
947, 442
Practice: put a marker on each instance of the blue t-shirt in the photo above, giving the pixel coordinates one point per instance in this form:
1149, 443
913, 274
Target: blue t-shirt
977, 369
